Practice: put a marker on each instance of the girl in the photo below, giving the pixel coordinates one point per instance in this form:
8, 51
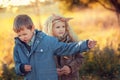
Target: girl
67, 66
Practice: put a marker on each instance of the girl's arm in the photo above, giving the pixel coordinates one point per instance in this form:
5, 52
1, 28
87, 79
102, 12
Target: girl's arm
76, 63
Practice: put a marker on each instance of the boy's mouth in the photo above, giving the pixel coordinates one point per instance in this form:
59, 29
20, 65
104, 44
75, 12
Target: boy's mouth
25, 41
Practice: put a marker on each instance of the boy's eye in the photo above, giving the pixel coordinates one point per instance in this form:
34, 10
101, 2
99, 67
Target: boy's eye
24, 34
19, 35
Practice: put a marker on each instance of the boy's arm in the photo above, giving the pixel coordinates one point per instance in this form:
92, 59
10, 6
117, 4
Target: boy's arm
18, 65
69, 48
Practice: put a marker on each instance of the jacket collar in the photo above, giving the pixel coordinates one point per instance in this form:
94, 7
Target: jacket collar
39, 35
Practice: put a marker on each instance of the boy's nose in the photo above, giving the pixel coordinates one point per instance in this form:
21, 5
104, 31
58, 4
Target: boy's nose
24, 38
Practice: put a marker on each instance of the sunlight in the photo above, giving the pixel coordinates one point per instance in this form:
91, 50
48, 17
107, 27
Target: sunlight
19, 2
42, 0
94, 22
6, 3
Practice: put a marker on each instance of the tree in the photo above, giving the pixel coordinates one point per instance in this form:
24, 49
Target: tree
114, 6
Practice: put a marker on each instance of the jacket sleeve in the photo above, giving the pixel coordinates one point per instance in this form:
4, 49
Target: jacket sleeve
76, 63
61, 48
17, 62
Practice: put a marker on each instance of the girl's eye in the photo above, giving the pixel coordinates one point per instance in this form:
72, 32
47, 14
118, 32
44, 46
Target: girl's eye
58, 27
63, 26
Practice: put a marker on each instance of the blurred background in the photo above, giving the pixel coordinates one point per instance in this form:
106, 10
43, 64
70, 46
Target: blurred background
92, 19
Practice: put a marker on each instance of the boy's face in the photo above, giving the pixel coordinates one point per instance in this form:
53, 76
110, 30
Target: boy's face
25, 34
59, 29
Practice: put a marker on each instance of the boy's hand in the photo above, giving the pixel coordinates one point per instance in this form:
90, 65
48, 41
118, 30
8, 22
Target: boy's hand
27, 68
91, 43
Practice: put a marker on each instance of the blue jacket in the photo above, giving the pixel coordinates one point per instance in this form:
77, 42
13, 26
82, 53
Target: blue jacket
41, 56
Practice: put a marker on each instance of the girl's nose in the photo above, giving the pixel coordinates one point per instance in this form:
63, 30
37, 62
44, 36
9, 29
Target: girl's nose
61, 29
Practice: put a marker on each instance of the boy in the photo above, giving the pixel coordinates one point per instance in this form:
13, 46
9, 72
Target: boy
34, 51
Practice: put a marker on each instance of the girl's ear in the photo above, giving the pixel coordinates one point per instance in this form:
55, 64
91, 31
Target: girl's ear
67, 19
56, 16
53, 14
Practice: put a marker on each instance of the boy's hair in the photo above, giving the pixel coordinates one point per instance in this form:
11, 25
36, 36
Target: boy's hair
56, 18
22, 21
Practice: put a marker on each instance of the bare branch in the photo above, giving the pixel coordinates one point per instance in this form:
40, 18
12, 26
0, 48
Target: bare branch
105, 6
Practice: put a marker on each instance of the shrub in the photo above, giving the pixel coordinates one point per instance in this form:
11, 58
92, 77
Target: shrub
104, 63
9, 74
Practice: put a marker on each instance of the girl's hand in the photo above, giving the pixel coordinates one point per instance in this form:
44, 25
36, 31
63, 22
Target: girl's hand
66, 70
60, 72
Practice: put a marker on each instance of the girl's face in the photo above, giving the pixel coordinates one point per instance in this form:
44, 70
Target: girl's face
25, 34
59, 29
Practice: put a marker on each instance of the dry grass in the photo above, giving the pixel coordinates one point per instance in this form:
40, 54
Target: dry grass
93, 23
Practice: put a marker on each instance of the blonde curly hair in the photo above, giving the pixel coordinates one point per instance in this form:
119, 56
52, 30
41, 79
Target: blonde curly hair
54, 19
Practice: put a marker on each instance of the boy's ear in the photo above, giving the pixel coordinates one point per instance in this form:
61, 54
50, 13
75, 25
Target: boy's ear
33, 28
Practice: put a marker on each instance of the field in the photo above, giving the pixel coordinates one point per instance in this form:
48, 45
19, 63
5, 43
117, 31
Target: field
92, 23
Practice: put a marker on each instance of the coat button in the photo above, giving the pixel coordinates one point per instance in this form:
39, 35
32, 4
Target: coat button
41, 50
